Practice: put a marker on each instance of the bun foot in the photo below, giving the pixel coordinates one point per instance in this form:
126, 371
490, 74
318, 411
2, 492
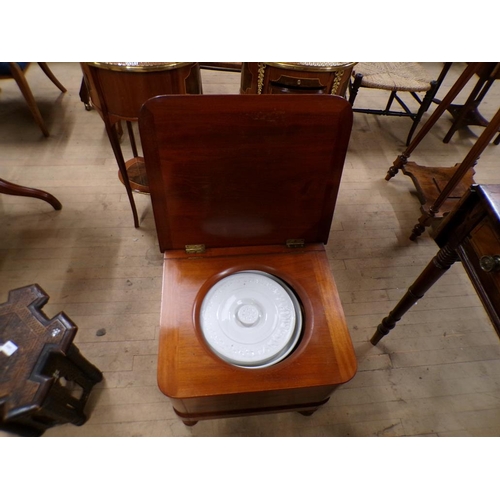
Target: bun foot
307, 413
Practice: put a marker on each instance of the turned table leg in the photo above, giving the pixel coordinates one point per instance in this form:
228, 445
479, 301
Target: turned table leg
398, 164
434, 270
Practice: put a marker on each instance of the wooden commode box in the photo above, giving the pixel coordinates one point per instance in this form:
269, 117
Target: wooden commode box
247, 184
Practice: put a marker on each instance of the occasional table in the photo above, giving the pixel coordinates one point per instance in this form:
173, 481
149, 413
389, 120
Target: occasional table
117, 90
471, 234
44, 380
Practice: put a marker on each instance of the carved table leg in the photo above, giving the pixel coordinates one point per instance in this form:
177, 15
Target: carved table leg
398, 164
423, 222
417, 231
7, 187
190, 423
115, 145
434, 270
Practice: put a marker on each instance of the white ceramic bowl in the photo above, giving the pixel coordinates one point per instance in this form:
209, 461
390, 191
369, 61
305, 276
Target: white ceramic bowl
251, 319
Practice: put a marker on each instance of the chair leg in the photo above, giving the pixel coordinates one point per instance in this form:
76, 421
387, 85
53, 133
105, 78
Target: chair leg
354, 87
52, 78
389, 102
7, 187
426, 102
18, 76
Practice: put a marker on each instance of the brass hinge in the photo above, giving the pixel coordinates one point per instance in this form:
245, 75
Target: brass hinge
295, 243
195, 248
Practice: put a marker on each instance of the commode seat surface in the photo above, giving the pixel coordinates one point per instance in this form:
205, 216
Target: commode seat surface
198, 381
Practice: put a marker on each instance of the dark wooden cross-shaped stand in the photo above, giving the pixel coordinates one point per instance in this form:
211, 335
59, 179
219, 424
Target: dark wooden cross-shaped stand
44, 380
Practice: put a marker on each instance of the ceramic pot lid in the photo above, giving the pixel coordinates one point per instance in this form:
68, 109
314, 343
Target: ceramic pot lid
250, 319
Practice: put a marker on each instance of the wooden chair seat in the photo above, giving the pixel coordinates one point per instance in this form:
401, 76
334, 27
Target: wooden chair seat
408, 77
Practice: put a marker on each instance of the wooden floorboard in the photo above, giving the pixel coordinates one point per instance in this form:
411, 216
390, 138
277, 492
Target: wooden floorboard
436, 374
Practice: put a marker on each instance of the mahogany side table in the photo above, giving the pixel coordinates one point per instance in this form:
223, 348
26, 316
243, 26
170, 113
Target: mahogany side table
117, 90
471, 234
44, 380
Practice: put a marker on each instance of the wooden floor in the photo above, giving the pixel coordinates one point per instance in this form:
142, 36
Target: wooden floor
436, 374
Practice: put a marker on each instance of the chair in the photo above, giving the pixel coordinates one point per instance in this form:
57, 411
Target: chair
397, 77
16, 71
295, 78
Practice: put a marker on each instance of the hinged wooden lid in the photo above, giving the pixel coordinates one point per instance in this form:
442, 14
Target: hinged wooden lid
243, 170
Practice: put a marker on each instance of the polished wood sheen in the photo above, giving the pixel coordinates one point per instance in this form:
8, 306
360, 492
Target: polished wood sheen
202, 386
244, 170
436, 374
242, 175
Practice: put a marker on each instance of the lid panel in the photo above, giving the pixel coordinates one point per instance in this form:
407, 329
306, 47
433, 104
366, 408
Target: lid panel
235, 170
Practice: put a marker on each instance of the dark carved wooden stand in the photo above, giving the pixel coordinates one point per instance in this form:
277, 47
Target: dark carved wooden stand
439, 188
44, 380
7, 187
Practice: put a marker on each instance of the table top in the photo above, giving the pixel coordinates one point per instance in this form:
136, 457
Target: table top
139, 67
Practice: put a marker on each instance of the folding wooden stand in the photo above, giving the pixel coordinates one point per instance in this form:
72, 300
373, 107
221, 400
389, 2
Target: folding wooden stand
247, 182
440, 188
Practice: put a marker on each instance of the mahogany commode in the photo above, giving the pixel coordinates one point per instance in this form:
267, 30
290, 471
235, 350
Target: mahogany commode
247, 182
